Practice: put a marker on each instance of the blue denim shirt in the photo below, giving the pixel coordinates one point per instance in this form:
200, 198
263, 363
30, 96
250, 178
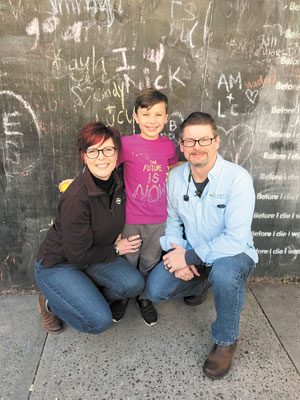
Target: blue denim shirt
219, 223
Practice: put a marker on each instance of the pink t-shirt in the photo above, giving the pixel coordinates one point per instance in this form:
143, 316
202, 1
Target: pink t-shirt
145, 168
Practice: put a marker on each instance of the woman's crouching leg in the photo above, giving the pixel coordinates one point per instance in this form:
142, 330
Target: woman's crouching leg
74, 298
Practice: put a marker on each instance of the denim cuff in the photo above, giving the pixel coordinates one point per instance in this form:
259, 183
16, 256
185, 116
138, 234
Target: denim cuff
191, 257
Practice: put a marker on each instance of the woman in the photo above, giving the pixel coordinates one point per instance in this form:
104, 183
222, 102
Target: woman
83, 280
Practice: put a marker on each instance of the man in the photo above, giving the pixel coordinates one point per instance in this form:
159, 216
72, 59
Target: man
208, 233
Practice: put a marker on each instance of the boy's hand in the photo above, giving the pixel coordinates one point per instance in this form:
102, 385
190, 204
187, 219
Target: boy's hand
64, 184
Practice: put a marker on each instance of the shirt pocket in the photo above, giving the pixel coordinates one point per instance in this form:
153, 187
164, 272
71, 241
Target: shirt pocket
217, 208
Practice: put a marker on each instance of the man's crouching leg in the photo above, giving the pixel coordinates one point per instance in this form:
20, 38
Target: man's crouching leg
228, 277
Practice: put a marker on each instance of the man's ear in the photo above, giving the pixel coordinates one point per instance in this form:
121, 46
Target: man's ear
181, 145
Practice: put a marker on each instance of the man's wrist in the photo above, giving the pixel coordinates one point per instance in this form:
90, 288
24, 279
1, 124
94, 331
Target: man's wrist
192, 258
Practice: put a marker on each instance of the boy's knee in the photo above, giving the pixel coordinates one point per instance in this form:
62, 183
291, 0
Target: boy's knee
136, 286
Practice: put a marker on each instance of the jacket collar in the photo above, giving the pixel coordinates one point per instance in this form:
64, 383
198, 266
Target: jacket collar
92, 189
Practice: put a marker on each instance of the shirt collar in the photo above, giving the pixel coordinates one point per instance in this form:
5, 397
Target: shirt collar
212, 174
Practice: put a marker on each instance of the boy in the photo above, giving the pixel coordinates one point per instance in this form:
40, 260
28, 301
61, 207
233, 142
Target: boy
146, 158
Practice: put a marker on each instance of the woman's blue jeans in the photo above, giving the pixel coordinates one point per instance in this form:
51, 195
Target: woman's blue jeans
227, 277
80, 296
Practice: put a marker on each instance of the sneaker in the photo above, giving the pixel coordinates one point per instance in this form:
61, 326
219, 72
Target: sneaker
197, 300
118, 309
148, 311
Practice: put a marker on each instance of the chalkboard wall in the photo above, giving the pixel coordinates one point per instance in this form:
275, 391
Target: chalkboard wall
64, 63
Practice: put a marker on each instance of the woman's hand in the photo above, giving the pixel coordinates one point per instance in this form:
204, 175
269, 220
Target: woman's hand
128, 245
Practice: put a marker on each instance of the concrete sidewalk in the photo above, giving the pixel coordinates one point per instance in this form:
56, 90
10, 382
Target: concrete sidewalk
132, 361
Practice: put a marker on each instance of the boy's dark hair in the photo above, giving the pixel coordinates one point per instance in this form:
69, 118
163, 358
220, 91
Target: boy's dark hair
199, 118
148, 98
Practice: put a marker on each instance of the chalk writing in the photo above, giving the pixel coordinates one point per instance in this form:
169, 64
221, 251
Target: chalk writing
26, 105
160, 81
232, 84
8, 123
267, 81
294, 6
78, 31
272, 196
239, 142
278, 177
184, 18
286, 86
11, 123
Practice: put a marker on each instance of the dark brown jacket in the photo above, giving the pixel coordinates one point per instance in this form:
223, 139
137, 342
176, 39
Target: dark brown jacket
87, 224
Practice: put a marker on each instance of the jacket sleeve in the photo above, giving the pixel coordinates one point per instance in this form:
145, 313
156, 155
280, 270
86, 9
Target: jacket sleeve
77, 234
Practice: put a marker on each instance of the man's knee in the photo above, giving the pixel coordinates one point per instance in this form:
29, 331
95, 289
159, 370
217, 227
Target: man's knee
231, 271
222, 275
153, 293
160, 284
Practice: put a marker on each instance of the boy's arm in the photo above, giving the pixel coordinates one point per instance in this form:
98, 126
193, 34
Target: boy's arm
173, 158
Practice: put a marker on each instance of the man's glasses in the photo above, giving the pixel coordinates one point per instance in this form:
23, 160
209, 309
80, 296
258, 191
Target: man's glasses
94, 153
202, 142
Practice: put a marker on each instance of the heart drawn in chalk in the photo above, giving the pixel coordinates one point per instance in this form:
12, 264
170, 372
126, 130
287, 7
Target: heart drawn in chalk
82, 94
251, 95
237, 143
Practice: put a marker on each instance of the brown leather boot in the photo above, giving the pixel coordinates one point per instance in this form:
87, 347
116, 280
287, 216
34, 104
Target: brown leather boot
218, 361
50, 322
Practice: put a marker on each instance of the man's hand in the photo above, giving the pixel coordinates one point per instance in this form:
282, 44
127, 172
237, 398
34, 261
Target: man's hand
175, 261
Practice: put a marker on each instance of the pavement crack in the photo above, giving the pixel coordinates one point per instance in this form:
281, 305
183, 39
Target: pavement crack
31, 388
